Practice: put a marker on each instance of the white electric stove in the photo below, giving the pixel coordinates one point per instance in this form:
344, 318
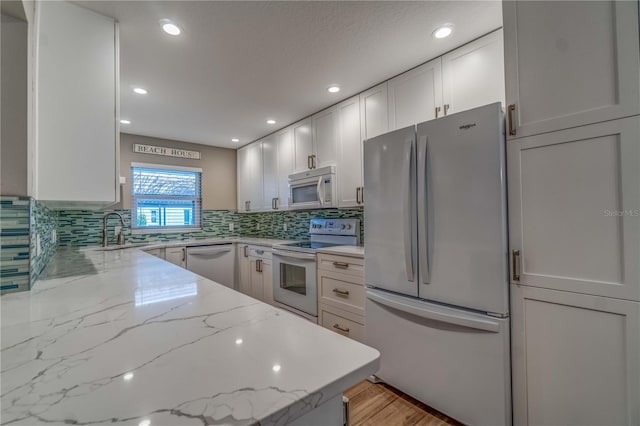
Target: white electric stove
294, 264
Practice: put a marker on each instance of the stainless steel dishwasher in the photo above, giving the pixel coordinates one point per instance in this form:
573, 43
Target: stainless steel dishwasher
216, 262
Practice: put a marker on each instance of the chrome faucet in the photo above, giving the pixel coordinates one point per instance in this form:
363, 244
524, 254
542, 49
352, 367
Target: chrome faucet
105, 235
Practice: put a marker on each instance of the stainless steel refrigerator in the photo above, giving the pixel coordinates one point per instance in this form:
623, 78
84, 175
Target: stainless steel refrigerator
436, 263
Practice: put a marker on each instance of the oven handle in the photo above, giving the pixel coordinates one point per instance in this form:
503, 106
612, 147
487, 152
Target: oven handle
320, 197
299, 256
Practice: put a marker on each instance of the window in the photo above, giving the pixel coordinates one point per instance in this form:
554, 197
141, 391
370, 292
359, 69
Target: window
165, 197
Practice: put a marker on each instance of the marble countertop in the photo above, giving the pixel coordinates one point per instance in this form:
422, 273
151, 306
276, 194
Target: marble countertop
353, 251
124, 337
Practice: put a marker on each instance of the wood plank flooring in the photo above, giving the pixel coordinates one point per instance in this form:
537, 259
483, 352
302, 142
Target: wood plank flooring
382, 405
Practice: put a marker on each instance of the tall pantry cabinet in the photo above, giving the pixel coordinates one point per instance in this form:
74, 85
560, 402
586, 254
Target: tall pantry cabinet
572, 72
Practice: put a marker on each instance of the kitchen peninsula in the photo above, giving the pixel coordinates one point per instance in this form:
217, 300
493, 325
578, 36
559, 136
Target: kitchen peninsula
123, 337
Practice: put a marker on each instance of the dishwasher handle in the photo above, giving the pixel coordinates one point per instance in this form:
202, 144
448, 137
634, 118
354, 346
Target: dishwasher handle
209, 250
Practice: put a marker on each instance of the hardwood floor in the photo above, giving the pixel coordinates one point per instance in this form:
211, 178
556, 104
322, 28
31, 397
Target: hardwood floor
382, 405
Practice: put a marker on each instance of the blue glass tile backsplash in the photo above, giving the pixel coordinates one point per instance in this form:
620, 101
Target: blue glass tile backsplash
14, 244
22, 219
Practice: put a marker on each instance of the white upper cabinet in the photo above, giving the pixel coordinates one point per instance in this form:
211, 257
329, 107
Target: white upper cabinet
473, 75
77, 133
416, 95
285, 166
374, 116
569, 63
324, 138
350, 153
269, 172
574, 197
243, 178
302, 146
468, 77
250, 179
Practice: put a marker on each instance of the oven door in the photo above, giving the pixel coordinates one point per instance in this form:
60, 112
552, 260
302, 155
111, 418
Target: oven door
294, 280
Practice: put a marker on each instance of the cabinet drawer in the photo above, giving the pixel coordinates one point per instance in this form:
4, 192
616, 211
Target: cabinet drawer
341, 264
260, 252
336, 320
343, 291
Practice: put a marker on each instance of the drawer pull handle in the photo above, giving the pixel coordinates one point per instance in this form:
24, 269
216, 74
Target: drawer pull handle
341, 265
337, 327
342, 292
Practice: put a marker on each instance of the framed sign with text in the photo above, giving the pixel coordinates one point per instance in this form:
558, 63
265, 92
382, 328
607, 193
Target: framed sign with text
166, 151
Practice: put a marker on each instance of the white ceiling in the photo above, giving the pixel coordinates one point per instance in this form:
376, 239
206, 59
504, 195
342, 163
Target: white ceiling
238, 63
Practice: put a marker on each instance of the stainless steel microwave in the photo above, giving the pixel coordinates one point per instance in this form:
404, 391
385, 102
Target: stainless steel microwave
313, 189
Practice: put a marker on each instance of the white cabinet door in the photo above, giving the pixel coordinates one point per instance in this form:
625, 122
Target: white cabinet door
473, 75
574, 201
575, 358
176, 255
254, 184
77, 91
374, 116
243, 178
350, 153
570, 63
302, 146
269, 172
244, 269
267, 281
324, 138
416, 95
256, 290
285, 166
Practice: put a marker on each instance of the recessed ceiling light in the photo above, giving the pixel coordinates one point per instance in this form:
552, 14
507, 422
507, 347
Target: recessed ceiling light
443, 31
125, 122
235, 140
271, 121
276, 368
238, 341
128, 376
145, 422
140, 90
333, 88
169, 27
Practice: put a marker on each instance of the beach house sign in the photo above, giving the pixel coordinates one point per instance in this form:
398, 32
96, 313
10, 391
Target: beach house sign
166, 151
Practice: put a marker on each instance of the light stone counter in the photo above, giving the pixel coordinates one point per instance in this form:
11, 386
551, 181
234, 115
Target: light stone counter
353, 251
121, 337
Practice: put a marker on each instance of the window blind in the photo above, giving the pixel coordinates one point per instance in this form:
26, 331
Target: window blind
166, 198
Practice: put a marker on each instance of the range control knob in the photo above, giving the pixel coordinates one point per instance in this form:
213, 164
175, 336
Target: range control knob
343, 226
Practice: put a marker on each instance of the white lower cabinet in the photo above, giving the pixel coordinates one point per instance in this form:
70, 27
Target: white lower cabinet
176, 255
341, 294
244, 269
158, 252
575, 358
255, 275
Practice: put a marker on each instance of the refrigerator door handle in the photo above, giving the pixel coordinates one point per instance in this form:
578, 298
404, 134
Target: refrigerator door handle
408, 228
423, 224
433, 312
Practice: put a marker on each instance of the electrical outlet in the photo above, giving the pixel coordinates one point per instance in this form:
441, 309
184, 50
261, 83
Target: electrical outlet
231, 226
117, 229
257, 226
284, 226
54, 236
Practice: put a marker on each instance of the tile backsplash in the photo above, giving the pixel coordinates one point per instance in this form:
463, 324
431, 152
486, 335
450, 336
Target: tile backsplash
30, 232
14, 243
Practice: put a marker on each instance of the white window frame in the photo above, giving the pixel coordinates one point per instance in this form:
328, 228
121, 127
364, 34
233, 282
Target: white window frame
163, 230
